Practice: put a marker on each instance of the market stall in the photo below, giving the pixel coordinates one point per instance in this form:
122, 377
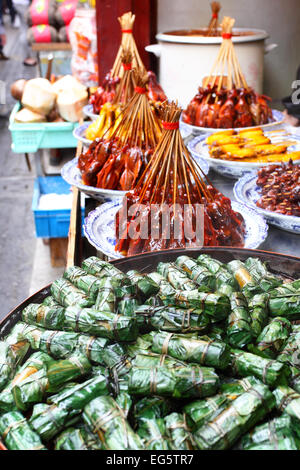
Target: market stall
48, 109
175, 325
49, 31
274, 140
44, 118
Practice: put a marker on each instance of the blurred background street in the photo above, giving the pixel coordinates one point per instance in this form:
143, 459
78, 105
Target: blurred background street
25, 260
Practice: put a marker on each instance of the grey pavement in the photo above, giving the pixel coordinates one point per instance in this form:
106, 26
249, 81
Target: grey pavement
17, 237
24, 260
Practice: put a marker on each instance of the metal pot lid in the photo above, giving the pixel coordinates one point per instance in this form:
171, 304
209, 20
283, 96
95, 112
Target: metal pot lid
185, 38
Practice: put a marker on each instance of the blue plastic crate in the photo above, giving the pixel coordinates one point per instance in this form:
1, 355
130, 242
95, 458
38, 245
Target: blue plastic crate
28, 138
52, 223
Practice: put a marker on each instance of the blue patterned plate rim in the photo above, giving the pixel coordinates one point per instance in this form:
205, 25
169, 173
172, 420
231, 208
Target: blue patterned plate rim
113, 207
238, 191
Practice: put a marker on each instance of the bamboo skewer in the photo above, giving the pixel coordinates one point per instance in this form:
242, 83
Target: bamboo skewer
127, 43
230, 66
209, 78
222, 71
127, 84
214, 23
225, 100
226, 60
172, 164
138, 126
171, 181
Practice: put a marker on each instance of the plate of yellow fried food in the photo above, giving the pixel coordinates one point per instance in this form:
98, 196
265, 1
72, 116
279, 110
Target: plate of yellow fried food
234, 153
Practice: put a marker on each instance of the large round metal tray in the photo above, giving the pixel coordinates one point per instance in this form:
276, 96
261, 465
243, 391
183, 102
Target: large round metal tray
287, 266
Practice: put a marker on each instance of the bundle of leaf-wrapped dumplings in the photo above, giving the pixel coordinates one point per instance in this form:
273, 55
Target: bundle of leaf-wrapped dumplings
195, 355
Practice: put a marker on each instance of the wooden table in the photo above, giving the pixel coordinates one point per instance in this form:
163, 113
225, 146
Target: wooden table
78, 246
51, 46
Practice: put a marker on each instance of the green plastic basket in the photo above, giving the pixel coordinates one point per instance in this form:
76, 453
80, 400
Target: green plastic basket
28, 138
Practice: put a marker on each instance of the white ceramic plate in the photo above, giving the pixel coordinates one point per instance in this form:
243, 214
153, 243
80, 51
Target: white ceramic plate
99, 227
79, 133
196, 130
232, 169
71, 174
247, 192
88, 111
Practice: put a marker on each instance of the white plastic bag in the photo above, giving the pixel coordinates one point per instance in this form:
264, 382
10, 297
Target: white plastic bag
83, 39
